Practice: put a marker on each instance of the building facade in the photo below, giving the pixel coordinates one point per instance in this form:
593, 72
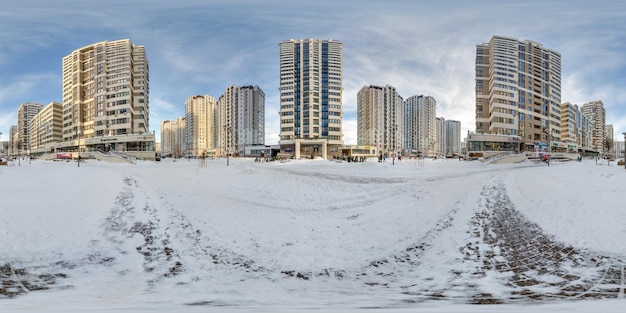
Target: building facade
420, 125
440, 140
46, 128
12, 146
311, 89
518, 91
241, 119
173, 137
105, 93
452, 134
576, 128
200, 126
380, 119
25, 114
594, 110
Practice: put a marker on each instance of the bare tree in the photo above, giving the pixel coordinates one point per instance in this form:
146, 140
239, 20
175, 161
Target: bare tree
608, 144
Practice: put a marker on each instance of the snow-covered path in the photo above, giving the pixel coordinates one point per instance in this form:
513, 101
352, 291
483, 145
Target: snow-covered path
308, 234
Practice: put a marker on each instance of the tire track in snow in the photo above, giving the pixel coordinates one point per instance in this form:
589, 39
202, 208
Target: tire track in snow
511, 251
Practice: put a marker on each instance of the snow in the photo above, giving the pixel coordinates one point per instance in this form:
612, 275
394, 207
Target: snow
311, 235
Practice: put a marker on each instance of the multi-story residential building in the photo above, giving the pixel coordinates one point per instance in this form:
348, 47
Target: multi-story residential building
311, 98
380, 119
240, 119
440, 141
13, 141
105, 93
173, 137
25, 113
518, 91
200, 125
594, 110
420, 125
46, 128
452, 133
576, 128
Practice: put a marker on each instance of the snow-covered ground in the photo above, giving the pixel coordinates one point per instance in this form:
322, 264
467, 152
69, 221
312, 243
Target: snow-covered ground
433, 235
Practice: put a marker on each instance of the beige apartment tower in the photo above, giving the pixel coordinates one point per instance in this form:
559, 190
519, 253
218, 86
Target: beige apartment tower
380, 119
594, 110
311, 91
518, 91
46, 128
200, 126
173, 137
105, 91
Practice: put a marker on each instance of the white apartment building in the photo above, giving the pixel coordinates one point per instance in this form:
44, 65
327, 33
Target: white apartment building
12, 146
594, 110
518, 91
420, 125
311, 91
46, 128
173, 137
452, 134
200, 126
380, 119
440, 141
240, 119
576, 128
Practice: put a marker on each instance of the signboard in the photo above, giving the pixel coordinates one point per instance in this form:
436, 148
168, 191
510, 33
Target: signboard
64, 155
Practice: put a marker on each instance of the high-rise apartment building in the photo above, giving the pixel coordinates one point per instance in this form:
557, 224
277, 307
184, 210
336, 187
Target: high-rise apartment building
200, 125
240, 119
594, 110
25, 113
380, 119
13, 141
452, 133
420, 125
518, 91
46, 128
440, 141
105, 92
311, 98
576, 128
173, 137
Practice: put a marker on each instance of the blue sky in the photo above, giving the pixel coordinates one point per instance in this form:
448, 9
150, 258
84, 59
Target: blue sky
420, 47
